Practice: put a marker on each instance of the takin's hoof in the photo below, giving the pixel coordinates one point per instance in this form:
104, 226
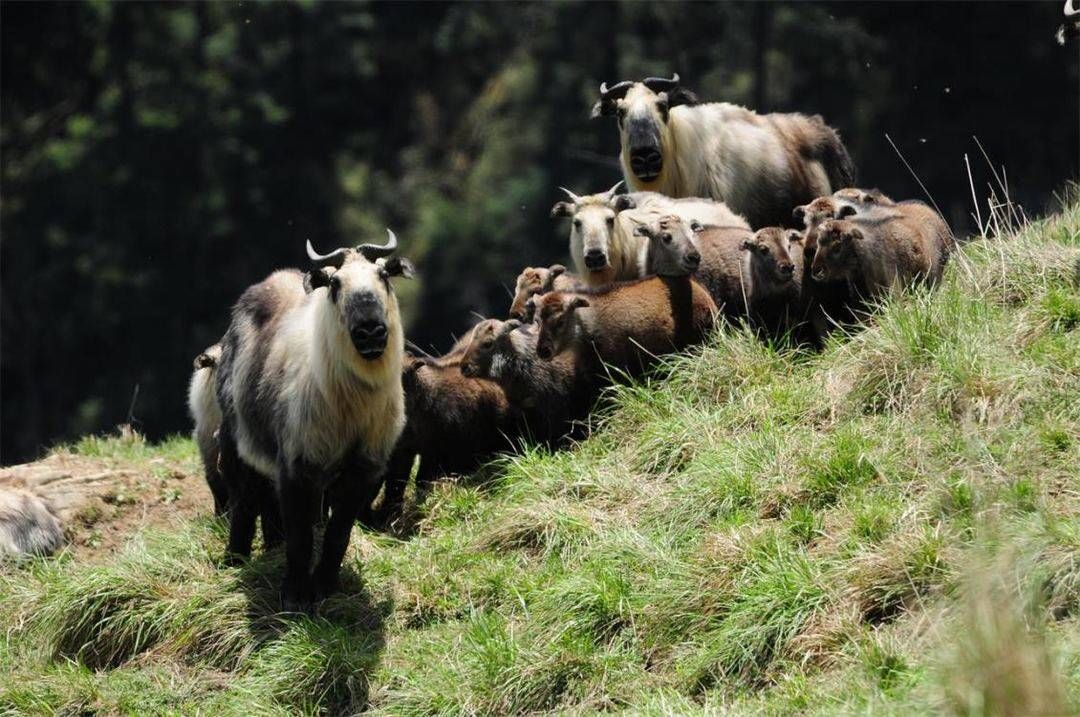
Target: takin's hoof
325, 586
233, 560
298, 600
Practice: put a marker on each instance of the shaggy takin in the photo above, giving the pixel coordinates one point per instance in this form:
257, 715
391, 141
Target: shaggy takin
309, 384
453, 422
759, 165
603, 242
206, 412
28, 525
553, 395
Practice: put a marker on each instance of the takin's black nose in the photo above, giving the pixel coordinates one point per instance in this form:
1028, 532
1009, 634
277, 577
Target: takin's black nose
693, 260
787, 269
369, 338
646, 163
595, 259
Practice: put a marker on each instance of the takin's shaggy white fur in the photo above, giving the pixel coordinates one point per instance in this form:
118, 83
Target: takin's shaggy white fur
28, 525
206, 414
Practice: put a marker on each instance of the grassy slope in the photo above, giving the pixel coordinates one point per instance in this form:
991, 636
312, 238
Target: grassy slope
888, 527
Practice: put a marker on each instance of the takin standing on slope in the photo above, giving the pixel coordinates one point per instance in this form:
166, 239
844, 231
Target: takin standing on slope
206, 413
761, 166
310, 389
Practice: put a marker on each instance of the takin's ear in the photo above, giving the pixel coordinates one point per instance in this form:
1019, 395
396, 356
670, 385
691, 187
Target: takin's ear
846, 211
852, 235
530, 310
696, 226
642, 230
794, 236
397, 266
204, 360
315, 278
556, 270
622, 202
799, 214
562, 209
602, 108
579, 302
681, 96
746, 245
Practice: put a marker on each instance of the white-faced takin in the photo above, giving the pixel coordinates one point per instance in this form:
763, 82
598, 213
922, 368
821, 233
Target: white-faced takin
759, 165
309, 384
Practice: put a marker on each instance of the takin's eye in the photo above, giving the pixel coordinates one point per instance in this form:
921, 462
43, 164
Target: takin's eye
620, 112
335, 287
611, 221
665, 237
577, 224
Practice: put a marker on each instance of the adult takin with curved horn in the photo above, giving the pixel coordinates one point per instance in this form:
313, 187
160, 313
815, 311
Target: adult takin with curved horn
309, 383
761, 166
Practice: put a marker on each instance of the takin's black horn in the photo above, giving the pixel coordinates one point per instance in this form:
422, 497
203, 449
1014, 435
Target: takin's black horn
616, 91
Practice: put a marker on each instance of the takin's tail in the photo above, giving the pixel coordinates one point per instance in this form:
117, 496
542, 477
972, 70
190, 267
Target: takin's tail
834, 157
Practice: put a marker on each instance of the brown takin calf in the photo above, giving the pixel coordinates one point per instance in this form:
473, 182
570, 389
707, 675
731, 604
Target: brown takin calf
454, 423
873, 255
773, 268
554, 396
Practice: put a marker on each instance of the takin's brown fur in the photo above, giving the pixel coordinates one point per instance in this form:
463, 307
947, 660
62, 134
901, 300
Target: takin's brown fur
554, 395
723, 270
453, 422
627, 324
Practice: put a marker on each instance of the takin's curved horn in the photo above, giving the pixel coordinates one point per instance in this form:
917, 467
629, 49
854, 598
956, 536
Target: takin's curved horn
573, 197
611, 192
661, 84
616, 91
335, 258
371, 252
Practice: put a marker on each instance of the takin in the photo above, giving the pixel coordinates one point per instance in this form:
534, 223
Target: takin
773, 270
554, 396
206, 413
535, 280
28, 525
759, 165
309, 383
454, 423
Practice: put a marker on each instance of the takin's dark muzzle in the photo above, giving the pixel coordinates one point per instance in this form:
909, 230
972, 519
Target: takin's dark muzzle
595, 259
646, 160
366, 320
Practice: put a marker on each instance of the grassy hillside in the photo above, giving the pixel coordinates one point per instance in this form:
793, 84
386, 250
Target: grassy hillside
888, 527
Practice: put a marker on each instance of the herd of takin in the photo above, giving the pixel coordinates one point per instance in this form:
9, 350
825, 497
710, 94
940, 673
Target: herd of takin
311, 404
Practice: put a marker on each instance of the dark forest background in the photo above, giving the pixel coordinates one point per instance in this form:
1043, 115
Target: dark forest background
158, 158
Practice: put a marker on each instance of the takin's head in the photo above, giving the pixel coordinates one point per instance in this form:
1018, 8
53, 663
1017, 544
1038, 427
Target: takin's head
555, 320
358, 292
821, 209
530, 282
490, 338
592, 224
643, 110
836, 256
671, 250
769, 253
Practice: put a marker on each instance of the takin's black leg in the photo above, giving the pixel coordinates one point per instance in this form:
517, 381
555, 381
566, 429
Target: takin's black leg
351, 493
273, 530
298, 496
396, 480
243, 503
214, 479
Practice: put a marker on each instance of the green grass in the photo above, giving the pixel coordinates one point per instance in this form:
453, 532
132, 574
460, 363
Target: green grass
887, 527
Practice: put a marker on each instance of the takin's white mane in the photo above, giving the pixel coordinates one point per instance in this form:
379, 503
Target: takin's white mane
328, 398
